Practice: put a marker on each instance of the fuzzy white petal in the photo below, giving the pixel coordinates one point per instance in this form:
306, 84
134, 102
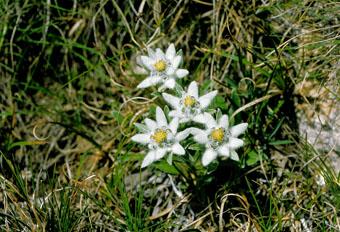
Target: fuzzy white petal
234, 156
180, 73
193, 89
171, 100
170, 83
199, 118
238, 129
145, 83
170, 52
195, 130
183, 134
151, 53
200, 136
151, 124
176, 114
178, 149
140, 70
149, 158
206, 119
174, 125
170, 71
147, 62
159, 54
160, 153
184, 120
141, 138
149, 81
224, 150
176, 61
223, 122
206, 99
208, 156
160, 117
235, 143
139, 61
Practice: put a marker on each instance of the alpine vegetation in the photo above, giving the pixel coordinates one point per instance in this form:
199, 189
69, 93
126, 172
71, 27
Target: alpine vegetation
161, 137
189, 105
218, 138
189, 110
162, 68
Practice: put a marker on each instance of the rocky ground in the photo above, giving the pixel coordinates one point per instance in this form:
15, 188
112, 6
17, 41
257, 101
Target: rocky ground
319, 116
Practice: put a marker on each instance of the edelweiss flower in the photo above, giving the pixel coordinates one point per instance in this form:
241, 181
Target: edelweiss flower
163, 68
218, 138
189, 105
161, 138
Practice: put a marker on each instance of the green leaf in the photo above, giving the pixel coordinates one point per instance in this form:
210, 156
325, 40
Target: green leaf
26, 143
219, 102
117, 116
205, 86
133, 157
165, 167
281, 142
278, 126
195, 147
252, 158
152, 110
235, 98
212, 166
156, 94
166, 111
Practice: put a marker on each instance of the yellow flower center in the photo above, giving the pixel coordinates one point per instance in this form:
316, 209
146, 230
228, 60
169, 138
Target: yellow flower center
217, 135
189, 101
159, 136
160, 66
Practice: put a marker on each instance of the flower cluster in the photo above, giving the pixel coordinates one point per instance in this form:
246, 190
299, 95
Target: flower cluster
162, 137
163, 68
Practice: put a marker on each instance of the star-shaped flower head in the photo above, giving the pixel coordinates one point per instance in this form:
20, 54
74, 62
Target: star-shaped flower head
161, 137
163, 68
218, 138
189, 105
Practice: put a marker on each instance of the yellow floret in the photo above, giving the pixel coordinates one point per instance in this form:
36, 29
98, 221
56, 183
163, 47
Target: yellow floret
217, 134
189, 101
159, 136
160, 65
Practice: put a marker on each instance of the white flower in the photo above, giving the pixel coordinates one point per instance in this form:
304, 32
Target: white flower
163, 68
161, 138
218, 138
189, 105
